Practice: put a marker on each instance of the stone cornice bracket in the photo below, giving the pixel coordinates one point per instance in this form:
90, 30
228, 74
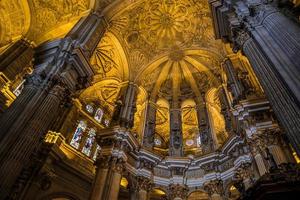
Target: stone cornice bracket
178, 191
117, 141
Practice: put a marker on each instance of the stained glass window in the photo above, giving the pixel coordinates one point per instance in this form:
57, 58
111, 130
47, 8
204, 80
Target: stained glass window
89, 142
89, 108
75, 142
98, 115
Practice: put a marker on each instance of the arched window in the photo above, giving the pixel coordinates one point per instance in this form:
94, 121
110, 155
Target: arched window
75, 142
190, 128
98, 115
162, 123
89, 142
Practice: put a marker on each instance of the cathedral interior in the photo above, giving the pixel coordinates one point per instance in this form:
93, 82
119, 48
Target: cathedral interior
149, 99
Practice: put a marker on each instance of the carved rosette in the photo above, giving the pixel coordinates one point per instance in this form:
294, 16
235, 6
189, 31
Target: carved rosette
179, 191
214, 187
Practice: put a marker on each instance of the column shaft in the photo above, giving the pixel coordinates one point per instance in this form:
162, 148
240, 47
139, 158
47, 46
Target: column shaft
285, 107
260, 164
142, 194
98, 185
19, 154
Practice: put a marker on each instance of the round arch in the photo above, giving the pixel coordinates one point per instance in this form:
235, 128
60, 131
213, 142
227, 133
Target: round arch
109, 59
198, 195
60, 196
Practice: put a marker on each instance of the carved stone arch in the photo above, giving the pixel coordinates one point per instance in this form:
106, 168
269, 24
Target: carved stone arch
230, 191
198, 195
105, 92
60, 196
15, 19
52, 19
109, 60
158, 193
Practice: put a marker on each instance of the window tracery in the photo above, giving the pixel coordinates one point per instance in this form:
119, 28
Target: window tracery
77, 137
89, 142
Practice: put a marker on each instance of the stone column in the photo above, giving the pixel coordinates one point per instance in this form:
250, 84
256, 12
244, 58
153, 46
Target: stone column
102, 168
257, 146
148, 139
176, 143
233, 82
260, 164
177, 192
143, 186
215, 189
115, 143
13, 161
275, 59
203, 122
108, 177
116, 176
125, 106
60, 69
225, 110
271, 42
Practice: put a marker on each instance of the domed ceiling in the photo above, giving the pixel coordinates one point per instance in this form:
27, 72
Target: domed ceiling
149, 29
171, 53
39, 20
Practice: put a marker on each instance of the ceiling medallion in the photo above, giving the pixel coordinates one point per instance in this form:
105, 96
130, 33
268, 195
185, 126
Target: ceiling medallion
166, 22
176, 55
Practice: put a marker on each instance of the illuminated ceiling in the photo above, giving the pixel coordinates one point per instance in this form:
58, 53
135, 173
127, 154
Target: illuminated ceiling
39, 20
169, 50
166, 47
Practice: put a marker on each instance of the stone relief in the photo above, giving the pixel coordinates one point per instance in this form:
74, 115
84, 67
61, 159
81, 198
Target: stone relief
12, 20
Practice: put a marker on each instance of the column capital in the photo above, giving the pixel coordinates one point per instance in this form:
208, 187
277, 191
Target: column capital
243, 172
178, 191
214, 187
108, 161
262, 139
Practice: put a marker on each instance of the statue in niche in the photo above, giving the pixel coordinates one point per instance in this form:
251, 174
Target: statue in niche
117, 112
176, 138
246, 83
150, 132
204, 138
